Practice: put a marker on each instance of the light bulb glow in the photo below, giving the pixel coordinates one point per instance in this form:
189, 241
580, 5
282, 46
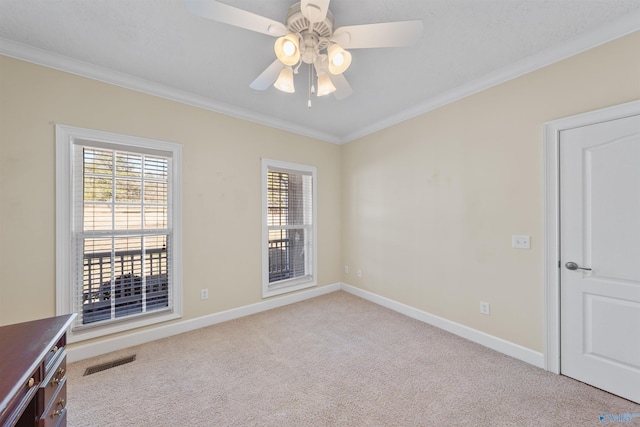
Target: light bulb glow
338, 60
289, 48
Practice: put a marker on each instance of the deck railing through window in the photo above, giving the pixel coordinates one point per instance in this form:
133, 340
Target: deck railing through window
279, 260
122, 288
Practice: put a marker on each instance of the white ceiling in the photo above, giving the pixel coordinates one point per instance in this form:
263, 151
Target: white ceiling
158, 47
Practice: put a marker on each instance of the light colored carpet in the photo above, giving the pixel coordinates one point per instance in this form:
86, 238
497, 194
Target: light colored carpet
335, 360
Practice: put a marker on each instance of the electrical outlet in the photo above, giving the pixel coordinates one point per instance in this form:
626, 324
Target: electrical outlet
346, 269
204, 294
359, 272
485, 308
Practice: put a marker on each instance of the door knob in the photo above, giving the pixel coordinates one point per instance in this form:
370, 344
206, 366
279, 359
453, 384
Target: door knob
573, 266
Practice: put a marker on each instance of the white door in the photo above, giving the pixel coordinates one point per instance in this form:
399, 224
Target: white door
600, 255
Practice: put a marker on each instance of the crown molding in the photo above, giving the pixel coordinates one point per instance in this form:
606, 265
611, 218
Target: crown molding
48, 59
585, 41
581, 43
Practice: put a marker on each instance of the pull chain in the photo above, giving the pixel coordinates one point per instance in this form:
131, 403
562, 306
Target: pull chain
311, 88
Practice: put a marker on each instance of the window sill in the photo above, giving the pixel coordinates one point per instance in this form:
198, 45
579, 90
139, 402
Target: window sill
289, 285
88, 332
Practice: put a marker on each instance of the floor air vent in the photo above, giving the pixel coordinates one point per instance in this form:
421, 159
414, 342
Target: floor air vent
104, 366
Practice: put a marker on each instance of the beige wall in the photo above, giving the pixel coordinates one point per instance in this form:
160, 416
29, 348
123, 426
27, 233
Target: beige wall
221, 187
429, 205
426, 208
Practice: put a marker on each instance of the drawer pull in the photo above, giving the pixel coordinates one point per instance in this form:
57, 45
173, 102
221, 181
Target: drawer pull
60, 375
54, 349
57, 413
31, 382
61, 402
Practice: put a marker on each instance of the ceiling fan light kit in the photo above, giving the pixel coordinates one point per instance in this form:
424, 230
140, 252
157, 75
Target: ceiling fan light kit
310, 28
308, 37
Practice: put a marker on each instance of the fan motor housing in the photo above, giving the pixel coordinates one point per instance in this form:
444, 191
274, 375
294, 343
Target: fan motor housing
321, 32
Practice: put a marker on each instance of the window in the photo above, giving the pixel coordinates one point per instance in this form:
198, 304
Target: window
118, 231
288, 227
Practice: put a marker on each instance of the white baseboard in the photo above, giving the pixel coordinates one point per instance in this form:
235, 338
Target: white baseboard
494, 343
84, 351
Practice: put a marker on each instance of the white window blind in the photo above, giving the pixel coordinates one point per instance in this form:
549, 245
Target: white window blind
122, 235
289, 225
123, 255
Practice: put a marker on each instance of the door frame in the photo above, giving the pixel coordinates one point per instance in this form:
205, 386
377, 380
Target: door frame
551, 221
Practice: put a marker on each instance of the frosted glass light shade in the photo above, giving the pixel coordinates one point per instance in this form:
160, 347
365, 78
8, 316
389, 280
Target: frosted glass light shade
287, 49
285, 81
339, 59
325, 86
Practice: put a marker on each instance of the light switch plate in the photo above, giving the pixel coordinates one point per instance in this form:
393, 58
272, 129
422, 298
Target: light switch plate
521, 242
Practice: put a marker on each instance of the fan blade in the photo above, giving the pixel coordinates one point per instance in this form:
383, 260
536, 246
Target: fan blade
221, 12
268, 76
314, 10
384, 34
343, 88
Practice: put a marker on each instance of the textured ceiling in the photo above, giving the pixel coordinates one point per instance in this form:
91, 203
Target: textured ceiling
160, 42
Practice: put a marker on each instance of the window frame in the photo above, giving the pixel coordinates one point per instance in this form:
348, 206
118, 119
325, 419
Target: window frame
296, 283
66, 138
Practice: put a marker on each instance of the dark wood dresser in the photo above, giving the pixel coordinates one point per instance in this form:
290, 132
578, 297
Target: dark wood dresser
33, 382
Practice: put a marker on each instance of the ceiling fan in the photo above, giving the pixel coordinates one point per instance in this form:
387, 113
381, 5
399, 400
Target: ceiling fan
307, 36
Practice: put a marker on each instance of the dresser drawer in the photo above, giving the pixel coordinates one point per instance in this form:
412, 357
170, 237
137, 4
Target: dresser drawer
54, 351
56, 412
54, 380
23, 400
